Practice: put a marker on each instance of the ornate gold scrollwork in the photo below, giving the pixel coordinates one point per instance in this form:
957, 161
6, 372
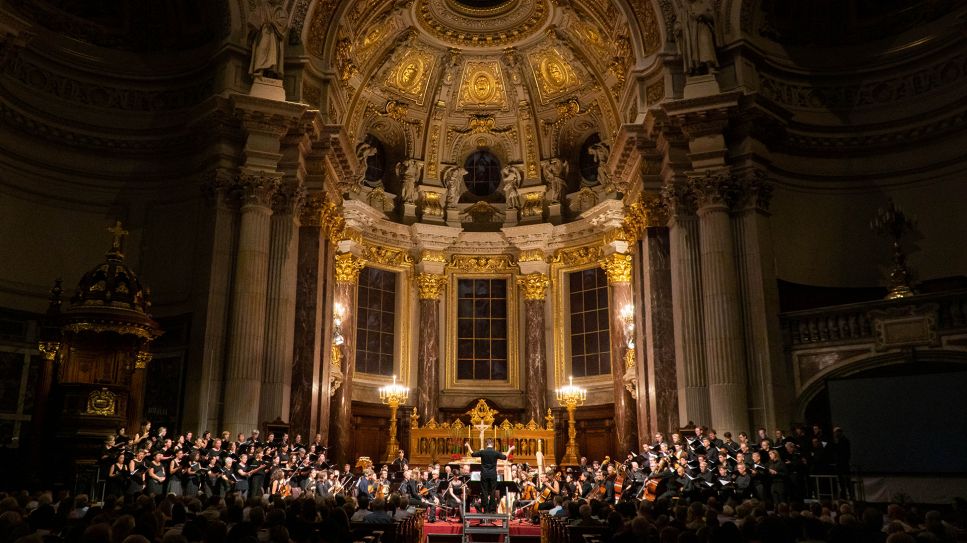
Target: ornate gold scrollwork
102, 403
141, 360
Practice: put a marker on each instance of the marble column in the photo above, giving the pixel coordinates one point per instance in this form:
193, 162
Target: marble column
308, 324
205, 379
617, 266
659, 330
686, 282
430, 287
348, 266
135, 412
246, 349
724, 334
280, 309
534, 287
770, 396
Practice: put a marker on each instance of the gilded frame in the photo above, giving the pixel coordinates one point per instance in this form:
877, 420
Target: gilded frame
513, 334
562, 321
402, 317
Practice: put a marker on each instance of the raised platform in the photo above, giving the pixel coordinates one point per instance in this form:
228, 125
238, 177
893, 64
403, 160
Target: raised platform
519, 531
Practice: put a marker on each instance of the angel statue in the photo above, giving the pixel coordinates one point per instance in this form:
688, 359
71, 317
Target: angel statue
409, 172
554, 171
271, 24
511, 176
600, 152
453, 181
363, 151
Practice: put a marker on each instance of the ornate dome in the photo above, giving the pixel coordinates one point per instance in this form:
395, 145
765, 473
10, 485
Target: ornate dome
111, 291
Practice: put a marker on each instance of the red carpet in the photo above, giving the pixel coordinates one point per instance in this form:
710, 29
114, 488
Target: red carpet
518, 529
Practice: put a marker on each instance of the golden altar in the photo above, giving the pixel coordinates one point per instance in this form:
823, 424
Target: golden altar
444, 442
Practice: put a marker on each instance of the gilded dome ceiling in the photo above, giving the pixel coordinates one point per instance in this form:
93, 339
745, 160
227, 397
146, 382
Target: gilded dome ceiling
528, 82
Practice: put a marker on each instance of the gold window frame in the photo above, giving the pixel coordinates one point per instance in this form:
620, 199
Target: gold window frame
562, 322
401, 322
513, 345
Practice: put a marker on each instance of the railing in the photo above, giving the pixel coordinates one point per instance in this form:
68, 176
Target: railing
854, 323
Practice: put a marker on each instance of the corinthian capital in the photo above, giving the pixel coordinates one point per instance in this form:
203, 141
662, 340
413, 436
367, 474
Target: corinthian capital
257, 187
430, 285
679, 199
288, 199
714, 189
755, 191
617, 266
311, 212
534, 285
348, 267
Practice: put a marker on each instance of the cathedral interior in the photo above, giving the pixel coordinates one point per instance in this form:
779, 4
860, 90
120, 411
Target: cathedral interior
240, 214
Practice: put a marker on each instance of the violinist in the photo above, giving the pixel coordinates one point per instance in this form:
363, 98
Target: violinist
431, 495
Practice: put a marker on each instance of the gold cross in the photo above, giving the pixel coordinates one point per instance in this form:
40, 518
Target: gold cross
119, 234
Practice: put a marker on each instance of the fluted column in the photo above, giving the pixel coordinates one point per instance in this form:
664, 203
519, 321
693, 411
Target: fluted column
686, 283
430, 287
280, 311
348, 266
724, 335
617, 266
769, 390
246, 349
534, 286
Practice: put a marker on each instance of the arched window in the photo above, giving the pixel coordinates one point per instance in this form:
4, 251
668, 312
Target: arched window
589, 167
483, 173
376, 163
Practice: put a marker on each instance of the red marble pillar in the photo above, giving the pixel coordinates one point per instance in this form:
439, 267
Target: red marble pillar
534, 287
430, 286
348, 266
618, 268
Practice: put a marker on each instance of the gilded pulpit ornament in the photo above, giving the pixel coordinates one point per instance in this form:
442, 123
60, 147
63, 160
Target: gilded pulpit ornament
430, 285
348, 267
101, 403
618, 268
534, 285
893, 224
142, 359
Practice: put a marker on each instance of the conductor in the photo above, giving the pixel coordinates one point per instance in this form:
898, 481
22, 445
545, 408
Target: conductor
488, 473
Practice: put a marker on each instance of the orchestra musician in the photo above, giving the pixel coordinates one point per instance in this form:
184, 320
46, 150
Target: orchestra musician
365, 487
400, 463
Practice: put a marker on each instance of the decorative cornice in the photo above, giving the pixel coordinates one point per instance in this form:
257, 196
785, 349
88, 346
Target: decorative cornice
576, 256
430, 285
388, 256
482, 264
534, 285
618, 268
531, 255
348, 267
433, 256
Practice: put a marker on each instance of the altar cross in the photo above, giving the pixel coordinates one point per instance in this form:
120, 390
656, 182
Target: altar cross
119, 234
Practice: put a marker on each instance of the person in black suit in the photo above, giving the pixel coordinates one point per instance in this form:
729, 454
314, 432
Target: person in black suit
488, 473
364, 484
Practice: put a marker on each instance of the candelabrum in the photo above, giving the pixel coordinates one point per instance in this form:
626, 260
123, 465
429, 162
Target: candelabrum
393, 395
893, 224
571, 396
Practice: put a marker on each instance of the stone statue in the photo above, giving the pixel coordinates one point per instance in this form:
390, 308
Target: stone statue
453, 181
511, 177
600, 152
363, 152
409, 172
554, 171
695, 35
271, 24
